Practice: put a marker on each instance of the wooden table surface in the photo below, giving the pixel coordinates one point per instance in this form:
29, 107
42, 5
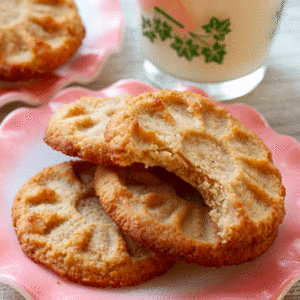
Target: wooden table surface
277, 98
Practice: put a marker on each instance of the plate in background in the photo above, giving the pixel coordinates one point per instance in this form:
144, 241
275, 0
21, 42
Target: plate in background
104, 24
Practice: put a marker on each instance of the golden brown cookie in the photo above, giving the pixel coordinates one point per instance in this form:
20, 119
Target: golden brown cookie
37, 36
206, 146
169, 216
60, 223
77, 128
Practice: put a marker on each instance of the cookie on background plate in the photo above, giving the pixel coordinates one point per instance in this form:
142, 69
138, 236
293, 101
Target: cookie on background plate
77, 128
37, 36
207, 147
60, 223
165, 214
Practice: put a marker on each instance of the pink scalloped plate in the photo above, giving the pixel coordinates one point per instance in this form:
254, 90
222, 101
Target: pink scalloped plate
104, 24
23, 153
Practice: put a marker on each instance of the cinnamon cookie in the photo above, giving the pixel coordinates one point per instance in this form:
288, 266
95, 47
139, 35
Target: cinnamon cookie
207, 147
37, 36
167, 215
60, 223
77, 128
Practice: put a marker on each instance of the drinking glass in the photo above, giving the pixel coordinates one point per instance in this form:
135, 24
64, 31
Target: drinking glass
221, 46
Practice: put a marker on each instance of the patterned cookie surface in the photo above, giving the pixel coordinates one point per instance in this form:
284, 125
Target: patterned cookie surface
60, 223
209, 148
77, 128
167, 215
37, 36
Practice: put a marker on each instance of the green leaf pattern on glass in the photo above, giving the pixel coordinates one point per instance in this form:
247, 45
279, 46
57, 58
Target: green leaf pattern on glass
210, 45
218, 29
163, 29
216, 54
147, 29
185, 48
276, 19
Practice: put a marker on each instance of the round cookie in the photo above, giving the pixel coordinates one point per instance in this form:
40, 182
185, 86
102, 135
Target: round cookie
60, 223
77, 128
37, 36
167, 215
206, 146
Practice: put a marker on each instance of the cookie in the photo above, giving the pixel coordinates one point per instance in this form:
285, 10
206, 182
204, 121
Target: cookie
60, 223
37, 36
207, 147
77, 129
169, 216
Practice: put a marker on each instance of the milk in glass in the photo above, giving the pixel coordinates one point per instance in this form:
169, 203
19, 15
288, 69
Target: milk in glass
208, 41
